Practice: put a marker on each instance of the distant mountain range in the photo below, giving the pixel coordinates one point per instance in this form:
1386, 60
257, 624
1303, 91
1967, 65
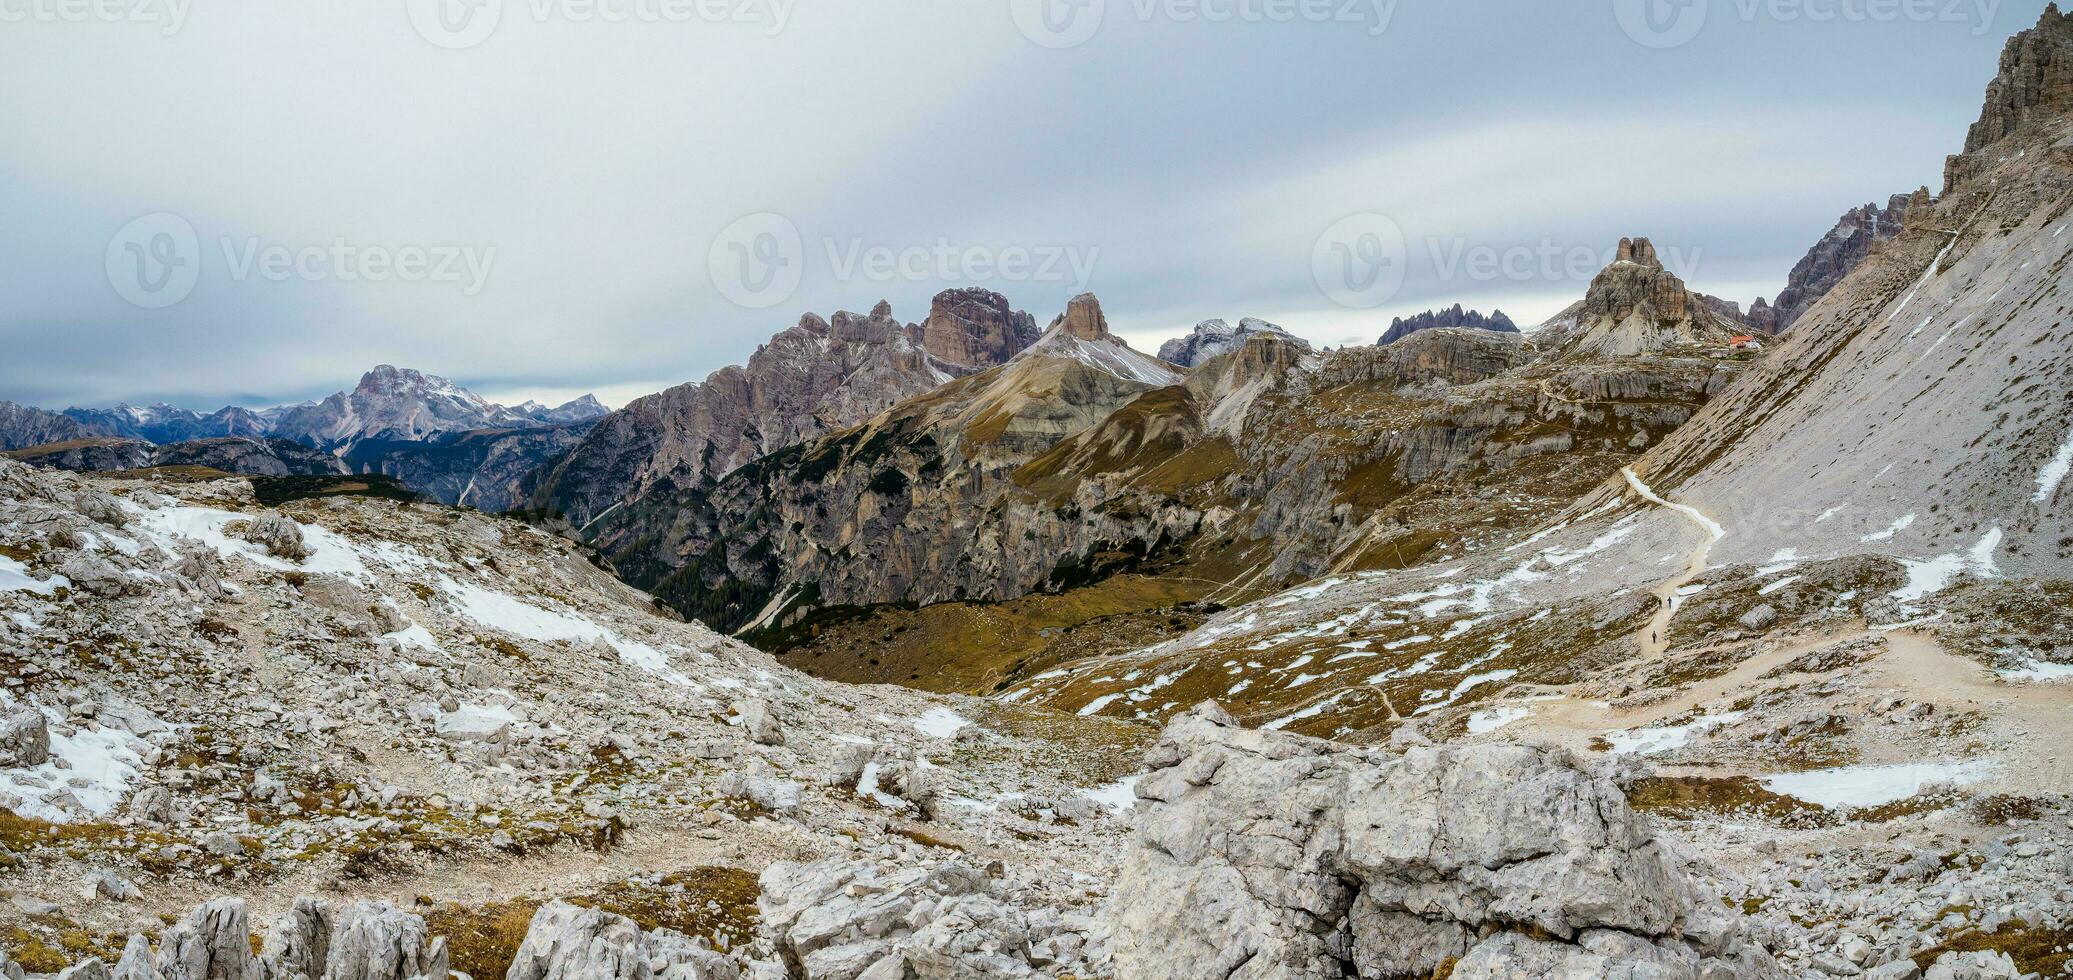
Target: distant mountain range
438, 437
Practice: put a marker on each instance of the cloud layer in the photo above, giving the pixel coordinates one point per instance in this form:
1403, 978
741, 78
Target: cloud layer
1182, 160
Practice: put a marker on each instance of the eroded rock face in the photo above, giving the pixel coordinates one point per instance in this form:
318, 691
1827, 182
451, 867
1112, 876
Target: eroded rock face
1836, 255
974, 329
1261, 854
817, 377
2034, 86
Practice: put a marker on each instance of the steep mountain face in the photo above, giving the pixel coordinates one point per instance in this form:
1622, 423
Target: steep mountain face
1835, 256
888, 510
1919, 410
1215, 338
250, 457
816, 377
1449, 319
487, 469
1635, 306
22, 427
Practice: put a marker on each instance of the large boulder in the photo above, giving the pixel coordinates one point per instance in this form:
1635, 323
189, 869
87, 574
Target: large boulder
280, 536
214, 942
841, 919
567, 942
24, 739
1261, 854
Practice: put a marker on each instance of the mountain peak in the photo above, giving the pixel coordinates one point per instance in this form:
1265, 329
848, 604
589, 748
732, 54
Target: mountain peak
972, 329
1083, 318
1635, 306
1215, 338
1639, 251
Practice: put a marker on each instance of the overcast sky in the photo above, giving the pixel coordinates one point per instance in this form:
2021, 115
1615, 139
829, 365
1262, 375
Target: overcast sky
548, 195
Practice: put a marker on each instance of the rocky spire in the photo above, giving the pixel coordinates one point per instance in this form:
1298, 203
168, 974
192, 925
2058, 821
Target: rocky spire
1639, 251
1083, 318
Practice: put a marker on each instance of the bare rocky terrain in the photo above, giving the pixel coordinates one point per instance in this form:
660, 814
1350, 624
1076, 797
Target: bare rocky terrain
1611, 652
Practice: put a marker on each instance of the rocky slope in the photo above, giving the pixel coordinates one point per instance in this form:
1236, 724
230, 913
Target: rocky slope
486, 756
1449, 319
1920, 413
866, 514
456, 714
1835, 256
814, 378
356, 738
1261, 468
1214, 338
1816, 626
1635, 306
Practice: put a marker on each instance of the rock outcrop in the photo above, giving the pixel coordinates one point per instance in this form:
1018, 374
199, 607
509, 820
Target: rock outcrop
1635, 306
568, 942
24, 739
2032, 90
1454, 318
1215, 338
840, 919
1261, 854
